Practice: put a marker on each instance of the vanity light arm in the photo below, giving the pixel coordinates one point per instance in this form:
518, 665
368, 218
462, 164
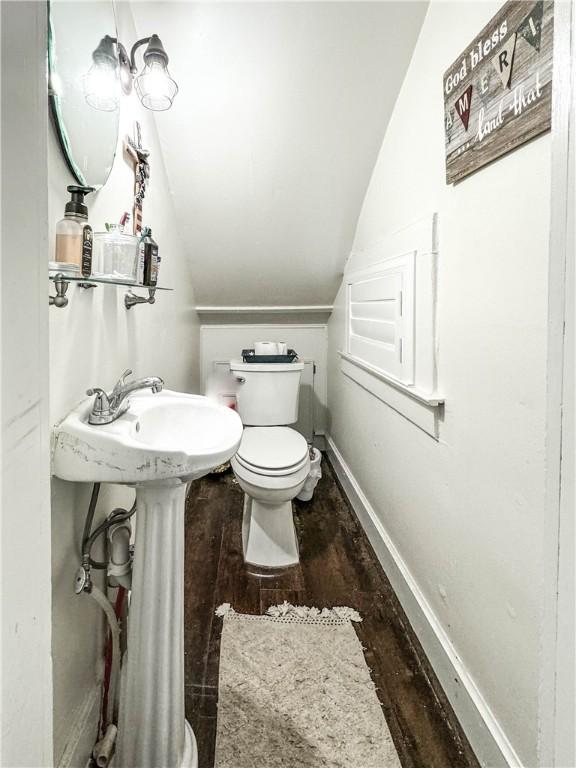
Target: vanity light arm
137, 44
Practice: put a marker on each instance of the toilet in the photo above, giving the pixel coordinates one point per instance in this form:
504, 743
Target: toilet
272, 462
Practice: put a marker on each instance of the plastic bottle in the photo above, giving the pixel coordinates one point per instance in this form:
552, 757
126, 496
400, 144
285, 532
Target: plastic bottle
149, 257
74, 236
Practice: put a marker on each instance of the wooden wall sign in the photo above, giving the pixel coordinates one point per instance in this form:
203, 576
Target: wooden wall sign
498, 93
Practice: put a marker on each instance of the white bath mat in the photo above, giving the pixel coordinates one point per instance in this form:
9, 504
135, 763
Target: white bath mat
295, 692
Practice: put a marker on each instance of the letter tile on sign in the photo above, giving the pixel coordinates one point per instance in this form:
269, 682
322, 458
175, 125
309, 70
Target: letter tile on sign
531, 28
463, 106
504, 59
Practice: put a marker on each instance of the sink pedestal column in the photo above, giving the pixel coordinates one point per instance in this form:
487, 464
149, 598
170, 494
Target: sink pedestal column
152, 730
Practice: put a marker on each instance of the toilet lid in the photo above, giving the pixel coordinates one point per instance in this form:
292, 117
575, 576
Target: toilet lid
272, 448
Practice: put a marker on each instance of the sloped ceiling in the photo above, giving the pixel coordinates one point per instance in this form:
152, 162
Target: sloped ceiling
272, 139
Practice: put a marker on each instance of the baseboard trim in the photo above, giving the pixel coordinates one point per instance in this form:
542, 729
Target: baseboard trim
83, 731
481, 727
278, 309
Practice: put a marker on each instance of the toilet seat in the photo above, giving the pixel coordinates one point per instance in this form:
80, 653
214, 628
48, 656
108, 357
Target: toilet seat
257, 482
272, 451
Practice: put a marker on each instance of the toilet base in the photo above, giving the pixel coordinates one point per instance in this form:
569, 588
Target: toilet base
268, 534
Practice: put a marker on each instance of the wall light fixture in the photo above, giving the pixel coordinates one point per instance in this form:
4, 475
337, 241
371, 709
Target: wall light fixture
112, 71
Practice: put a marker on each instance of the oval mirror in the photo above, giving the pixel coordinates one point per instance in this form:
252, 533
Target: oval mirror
87, 136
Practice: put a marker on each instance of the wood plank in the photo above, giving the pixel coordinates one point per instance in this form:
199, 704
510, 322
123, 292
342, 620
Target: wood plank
203, 541
201, 712
335, 553
234, 583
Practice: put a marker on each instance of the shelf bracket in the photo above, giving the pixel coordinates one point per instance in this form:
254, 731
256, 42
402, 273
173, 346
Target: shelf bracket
61, 285
130, 298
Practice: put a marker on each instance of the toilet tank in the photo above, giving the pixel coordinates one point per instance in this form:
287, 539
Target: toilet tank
267, 393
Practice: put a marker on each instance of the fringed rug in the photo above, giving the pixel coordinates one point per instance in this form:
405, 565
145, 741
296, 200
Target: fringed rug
295, 692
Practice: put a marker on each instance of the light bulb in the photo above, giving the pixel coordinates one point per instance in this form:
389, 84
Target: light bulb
101, 87
154, 85
101, 84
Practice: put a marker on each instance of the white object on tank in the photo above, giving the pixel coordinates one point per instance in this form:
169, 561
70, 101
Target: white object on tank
266, 348
267, 393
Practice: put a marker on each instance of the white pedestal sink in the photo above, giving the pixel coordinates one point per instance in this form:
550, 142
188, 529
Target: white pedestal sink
160, 444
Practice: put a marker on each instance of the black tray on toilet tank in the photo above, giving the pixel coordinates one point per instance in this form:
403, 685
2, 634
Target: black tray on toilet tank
249, 357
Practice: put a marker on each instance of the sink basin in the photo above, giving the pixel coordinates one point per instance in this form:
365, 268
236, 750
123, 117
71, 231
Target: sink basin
164, 436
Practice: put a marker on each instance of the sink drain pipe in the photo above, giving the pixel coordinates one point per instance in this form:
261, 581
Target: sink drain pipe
119, 555
117, 516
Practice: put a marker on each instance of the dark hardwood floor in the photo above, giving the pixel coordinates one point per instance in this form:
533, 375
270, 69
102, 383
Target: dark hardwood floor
338, 567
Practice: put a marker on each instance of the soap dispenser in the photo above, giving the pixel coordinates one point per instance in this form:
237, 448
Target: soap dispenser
74, 236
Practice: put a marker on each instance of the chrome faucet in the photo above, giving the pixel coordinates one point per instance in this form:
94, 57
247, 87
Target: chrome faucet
109, 407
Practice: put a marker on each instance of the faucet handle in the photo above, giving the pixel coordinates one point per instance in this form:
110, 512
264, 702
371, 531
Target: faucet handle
101, 407
121, 381
96, 391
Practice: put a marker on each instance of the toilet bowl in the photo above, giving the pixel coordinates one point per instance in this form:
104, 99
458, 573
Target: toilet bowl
271, 466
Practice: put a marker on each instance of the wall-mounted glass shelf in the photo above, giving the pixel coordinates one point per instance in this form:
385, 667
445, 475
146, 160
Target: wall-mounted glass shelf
62, 281
85, 282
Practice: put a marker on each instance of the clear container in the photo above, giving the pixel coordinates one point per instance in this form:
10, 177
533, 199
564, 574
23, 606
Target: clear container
69, 240
115, 256
68, 269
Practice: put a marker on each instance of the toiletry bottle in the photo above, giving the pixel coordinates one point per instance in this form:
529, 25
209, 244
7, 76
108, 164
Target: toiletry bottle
124, 220
151, 260
140, 264
74, 235
141, 249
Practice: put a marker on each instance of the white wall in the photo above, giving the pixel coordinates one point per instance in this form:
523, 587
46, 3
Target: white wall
465, 514
91, 342
26, 669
